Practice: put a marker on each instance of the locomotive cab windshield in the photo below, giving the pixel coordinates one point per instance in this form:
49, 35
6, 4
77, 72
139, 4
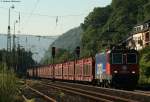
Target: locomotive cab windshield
131, 58
123, 58
117, 58
122, 55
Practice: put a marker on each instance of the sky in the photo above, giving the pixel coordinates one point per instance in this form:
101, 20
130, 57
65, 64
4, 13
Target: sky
46, 17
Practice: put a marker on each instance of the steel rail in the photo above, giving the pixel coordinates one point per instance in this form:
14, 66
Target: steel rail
42, 94
146, 93
25, 99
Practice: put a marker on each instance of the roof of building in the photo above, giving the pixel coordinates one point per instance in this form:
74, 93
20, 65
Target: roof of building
148, 21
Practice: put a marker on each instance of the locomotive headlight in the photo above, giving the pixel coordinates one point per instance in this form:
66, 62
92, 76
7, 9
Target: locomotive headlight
115, 71
133, 72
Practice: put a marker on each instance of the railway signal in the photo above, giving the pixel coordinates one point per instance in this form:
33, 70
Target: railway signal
53, 52
77, 50
53, 56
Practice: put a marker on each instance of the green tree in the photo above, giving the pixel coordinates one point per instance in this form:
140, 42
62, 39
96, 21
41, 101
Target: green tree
145, 62
147, 11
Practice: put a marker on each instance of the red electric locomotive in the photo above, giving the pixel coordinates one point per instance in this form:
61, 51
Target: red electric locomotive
124, 68
118, 67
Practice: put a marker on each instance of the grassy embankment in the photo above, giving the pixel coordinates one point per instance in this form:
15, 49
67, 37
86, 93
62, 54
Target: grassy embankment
8, 85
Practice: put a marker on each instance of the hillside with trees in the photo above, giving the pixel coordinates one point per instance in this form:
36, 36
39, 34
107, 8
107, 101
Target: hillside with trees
114, 23
111, 24
69, 40
65, 45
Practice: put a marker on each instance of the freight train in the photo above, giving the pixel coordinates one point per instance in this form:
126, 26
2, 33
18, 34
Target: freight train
118, 67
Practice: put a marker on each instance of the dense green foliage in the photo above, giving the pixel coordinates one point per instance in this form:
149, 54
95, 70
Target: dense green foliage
145, 65
111, 24
18, 60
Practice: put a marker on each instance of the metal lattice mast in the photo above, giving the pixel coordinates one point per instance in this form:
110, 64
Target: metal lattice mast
8, 35
14, 36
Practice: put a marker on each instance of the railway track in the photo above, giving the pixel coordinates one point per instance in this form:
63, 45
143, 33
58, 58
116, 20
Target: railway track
96, 93
143, 92
90, 94
31, 94
122, 95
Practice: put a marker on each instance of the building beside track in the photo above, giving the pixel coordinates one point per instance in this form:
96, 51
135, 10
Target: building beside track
140, 36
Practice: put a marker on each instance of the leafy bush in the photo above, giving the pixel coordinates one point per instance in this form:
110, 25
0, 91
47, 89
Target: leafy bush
145, 65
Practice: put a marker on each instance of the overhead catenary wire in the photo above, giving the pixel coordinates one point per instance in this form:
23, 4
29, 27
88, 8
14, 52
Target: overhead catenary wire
32, 11
57, 19
45, 15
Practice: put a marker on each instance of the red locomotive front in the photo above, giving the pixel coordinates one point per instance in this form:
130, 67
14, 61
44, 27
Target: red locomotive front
124, 68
